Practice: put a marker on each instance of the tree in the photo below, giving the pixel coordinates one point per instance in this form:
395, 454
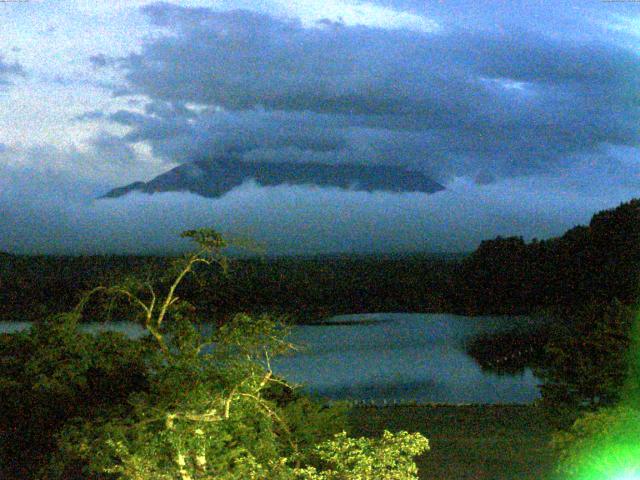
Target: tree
604, 443
586, 360
496, 277
52, 374
601, 444
210, 406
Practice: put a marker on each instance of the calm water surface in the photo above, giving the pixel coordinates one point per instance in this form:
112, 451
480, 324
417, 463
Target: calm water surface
393, 357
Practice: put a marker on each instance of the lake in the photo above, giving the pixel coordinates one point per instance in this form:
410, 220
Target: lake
390, 357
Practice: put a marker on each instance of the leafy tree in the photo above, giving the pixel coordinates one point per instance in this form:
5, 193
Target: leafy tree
54, 373
585, 364
497, 277
604, 443
210, 405
599, 445
362, 458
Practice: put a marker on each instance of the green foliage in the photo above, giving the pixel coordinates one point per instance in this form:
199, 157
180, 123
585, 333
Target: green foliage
198, 405
512, 351
615, 241
586, 360
211, 416
600, 445
505, 275
54, 373
389, 458
207, 238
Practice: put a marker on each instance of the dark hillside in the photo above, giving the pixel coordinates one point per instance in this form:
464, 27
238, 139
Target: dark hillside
598, 262
303, 287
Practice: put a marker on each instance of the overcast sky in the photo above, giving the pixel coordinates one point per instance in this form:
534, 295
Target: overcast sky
527, 111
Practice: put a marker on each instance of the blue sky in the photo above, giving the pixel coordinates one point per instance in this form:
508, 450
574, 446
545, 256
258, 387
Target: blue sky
527, 111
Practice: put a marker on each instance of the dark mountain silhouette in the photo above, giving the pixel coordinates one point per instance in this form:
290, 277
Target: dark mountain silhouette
214, 178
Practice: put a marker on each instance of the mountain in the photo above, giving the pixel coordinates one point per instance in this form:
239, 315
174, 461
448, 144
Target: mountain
214, 178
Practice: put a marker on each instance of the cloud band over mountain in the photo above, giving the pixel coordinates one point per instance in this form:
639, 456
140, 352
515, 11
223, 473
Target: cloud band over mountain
526, 112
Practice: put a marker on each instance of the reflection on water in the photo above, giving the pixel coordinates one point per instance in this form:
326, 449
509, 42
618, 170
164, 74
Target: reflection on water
401, 357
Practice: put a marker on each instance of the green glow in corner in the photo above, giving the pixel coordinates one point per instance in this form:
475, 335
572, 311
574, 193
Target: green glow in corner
605, 445
612, 456
628, 476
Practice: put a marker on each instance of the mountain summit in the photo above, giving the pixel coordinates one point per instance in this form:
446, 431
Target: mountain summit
214, 178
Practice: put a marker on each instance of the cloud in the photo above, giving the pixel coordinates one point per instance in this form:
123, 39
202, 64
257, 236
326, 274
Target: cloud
50, 211
177, 133
106, 160
90, 115
98, 61
243, 59
112, 147
562, 19
473, 101
527, 111
49, 205
10, 70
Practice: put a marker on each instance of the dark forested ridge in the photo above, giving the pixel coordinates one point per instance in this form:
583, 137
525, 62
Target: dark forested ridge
594, 263
304, 287
506, 275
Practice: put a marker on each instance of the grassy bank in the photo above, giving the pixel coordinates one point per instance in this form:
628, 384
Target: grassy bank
469, 442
